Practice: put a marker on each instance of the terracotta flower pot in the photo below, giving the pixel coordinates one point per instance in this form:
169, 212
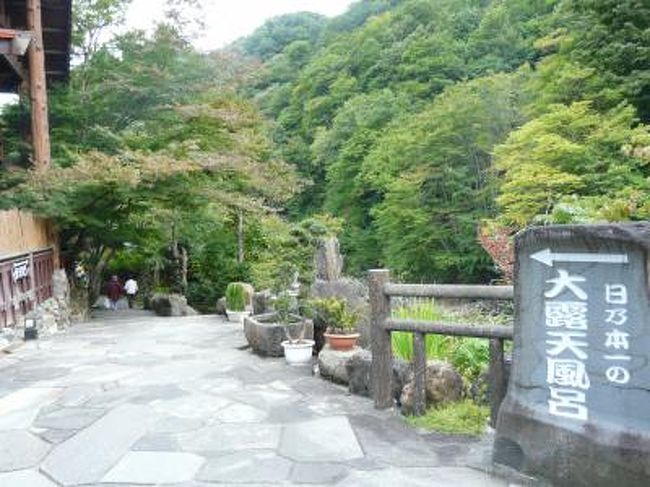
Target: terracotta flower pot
341, 342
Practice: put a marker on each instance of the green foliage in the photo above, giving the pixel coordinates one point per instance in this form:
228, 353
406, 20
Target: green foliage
235, 297
574, 157
284, 306
336, 315
463, 417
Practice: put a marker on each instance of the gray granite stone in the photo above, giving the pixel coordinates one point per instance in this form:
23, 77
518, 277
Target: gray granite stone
421, 477
320, 440
154, 468
175, 424
25, 478
240, 413
96, 449
318, 473
68, 418
232, 437
246, 467
20, 450
156, 442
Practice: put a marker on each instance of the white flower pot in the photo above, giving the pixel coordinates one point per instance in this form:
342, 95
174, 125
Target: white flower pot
298, 353
237, 316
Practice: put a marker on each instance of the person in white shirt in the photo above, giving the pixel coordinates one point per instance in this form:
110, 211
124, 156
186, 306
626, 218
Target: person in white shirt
131, 289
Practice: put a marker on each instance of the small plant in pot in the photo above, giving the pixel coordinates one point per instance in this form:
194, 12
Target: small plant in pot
298, 350
236, 302
341, 323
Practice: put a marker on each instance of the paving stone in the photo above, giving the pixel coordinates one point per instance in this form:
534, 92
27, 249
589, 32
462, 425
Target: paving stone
318, 473
240, 413
55, 436
20, 449
68, 418
421, 477
18, 409
157, 442
25, 478
232, 437
176, 424
154, 468
96, 449
246, 467
320, 440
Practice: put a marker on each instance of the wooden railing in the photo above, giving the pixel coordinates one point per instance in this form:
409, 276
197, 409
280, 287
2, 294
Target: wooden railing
381, 292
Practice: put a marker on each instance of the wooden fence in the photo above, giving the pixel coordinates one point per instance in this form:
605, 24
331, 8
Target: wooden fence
381, 291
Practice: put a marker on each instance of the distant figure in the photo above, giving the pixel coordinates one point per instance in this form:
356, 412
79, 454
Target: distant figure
131, 289
114, 290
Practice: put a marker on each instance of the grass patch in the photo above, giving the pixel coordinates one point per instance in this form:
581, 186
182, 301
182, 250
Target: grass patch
463, 417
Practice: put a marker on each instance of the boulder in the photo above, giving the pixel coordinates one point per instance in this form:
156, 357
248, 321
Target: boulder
333, 364
443, 384
171, 305
265, 336
328, 260
262, 302
221, 306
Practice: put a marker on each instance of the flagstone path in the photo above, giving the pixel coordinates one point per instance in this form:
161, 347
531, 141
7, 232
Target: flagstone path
132, 399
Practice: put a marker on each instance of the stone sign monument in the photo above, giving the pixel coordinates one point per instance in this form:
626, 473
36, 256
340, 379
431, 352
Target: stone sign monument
577, 411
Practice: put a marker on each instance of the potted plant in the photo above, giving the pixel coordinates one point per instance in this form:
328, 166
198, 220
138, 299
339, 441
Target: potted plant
298, 350
236, 302
279, 332
341, 333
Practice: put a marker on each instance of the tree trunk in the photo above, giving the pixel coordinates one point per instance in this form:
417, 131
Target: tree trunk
240, 236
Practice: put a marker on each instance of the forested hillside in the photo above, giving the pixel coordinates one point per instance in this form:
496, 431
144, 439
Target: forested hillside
420, 131
423, 122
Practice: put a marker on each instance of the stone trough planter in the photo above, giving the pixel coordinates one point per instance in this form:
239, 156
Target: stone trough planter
265, 336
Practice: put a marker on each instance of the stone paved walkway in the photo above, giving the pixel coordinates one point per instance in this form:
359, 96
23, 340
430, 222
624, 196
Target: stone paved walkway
178, 401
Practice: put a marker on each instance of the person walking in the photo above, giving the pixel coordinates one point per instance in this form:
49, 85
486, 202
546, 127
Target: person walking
114, 290
131, 289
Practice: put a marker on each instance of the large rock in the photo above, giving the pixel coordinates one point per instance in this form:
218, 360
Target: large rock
332, 364
265, 336
353, 368
262, 302
328, 260
60, 286
221, 306
355, 293
171, 305
443, 384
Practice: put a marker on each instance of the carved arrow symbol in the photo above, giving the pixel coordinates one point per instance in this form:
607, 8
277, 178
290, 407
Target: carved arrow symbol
547, 257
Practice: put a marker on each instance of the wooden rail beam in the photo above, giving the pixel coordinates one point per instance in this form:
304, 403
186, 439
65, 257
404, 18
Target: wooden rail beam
451, 329
455, 291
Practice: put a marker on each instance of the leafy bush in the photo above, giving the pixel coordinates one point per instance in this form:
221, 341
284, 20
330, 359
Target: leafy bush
284, 305
235, 297
464, 417
336, 315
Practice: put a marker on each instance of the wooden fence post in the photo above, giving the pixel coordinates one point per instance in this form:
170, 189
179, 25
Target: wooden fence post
497, 378
381, 371
419, 371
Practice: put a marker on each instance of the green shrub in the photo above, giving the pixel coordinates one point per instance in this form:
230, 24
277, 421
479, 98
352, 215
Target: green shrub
235, 297
284, 305
463, 417
336, 315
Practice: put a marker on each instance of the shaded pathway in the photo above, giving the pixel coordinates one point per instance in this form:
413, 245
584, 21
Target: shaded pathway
134, 399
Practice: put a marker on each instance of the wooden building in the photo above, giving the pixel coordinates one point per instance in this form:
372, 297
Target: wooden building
34, 55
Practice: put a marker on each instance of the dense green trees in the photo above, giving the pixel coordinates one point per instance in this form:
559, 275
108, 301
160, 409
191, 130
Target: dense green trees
405, 126
419, 121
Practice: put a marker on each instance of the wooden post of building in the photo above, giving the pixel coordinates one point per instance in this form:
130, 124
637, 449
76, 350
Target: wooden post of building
38, 87
381, 371
419, 370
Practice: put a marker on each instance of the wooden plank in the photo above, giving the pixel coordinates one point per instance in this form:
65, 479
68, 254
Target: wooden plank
419, 372
497, 376
381, 371
38, 88
438, 328
456, 291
